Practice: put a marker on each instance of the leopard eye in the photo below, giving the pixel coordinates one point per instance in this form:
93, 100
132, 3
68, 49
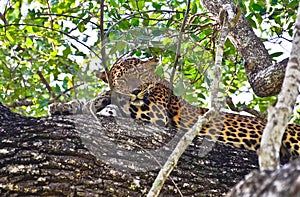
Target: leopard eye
136, 92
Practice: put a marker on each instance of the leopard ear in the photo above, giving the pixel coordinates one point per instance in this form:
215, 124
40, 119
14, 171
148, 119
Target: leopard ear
102, 76
151, 63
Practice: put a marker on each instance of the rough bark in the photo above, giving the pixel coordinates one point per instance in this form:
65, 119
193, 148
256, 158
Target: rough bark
80, 156
279, 115
264, 77
281, 183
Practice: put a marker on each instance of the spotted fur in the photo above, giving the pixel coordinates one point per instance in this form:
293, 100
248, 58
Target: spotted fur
142, 95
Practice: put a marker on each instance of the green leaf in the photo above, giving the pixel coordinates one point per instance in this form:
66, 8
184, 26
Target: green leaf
135, 22
113, 3
178, 16
141, 4
200, 95
57, 88
53, 2
159, 70
67, 51
158, 32
9, 37
120, 45
263, 11
81, 27
157, 6
167, 41
252, 22
65, 83
179, 89
277, 54
273, 2
124, 25
195, 37
43, 103
293, 4
256, 7
258, 18
28, 42
146, 22
191, 98
194, 8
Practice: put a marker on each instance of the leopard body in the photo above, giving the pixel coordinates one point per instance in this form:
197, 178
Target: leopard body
142, 95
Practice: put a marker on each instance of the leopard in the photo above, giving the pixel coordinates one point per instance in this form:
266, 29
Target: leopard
141, 94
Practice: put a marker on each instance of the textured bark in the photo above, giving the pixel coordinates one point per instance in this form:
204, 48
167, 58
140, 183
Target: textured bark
279, 115
264, 77
77, 156
281, 183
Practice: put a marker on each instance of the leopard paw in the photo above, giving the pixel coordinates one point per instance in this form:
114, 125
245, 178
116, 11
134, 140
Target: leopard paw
110, 110
72, 107
97, 104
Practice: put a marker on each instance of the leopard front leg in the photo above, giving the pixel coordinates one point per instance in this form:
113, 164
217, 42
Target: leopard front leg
97, 104
78, 107
72, 107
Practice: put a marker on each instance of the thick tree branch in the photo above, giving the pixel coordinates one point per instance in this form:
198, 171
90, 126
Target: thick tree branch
264, 77
77, 155
279, 115
280, 183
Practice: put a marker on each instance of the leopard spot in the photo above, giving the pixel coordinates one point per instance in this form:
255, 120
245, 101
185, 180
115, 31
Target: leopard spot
145, 108
145, 117
160, 123
133, 108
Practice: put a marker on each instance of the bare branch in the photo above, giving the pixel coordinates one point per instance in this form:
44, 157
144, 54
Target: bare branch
264, 77
230, 104
24, 102
179, 42
171, 163
279, 115
55, 30
102, 37
44, 81
188, 137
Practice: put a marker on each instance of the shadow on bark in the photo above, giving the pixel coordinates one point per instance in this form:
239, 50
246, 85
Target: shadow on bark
81, 156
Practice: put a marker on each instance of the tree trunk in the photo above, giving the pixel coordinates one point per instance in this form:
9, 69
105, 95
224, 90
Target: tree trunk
264, 77
78, 155
281, 183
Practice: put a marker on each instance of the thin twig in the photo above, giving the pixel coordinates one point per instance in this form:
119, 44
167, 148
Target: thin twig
133, 15
190, 135
44, 81
102, 37
26, 103
179, 42
230, 104
49, 10
61, 32
184, 142
69, 16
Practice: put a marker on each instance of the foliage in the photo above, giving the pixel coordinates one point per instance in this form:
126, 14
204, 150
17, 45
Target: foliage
50, 48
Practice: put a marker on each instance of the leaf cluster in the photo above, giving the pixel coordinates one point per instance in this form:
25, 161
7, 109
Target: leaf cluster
50, 50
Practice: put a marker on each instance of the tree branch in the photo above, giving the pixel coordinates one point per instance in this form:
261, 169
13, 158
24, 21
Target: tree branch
264, 77
181, 32
78, 155
44, 81
279, 115
188, 137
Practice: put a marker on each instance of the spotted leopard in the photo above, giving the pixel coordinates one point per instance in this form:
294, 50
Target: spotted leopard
141, 94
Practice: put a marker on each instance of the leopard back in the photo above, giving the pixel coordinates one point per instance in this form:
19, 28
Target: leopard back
143, 95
